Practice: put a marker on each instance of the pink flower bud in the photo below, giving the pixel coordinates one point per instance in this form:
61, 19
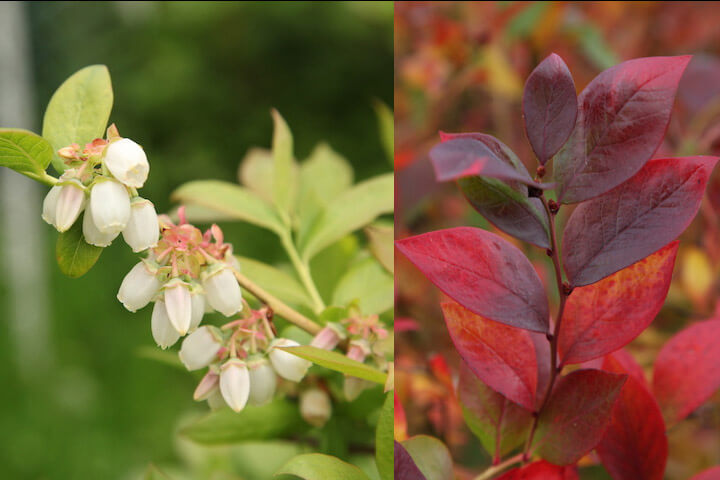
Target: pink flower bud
138, 287
358, 350
143, 229
200, 348
286, 364
235, 383
315, 407
50, 205
127, 161
70, 202
178, 304
327, 338
222, 290
110, 206
263, 381
207, 386
163, 331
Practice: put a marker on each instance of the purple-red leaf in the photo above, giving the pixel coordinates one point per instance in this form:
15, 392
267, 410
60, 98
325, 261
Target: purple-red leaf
550, 107
503, 357
635, 219
709, 474
605, 316
541, 470
634, 446
576, 416
623, 115
405, 468
482, 272
467, 156
500, 424
687, 370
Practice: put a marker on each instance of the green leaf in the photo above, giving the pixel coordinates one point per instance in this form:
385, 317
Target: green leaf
166, 357
231, 200
384, 439
75, 257
431, 456
338, 362
275, 281
257, 172
79, 110
277, 419
386, 122
351, 210
153, 473
381, 244
333, 314
315, 466
25, 152
369, 284
284, 168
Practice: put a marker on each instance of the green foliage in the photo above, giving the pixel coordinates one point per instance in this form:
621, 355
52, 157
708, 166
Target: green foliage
381, 245
367, 283
73, 254
79, 110
338, 362
153, 473
386, 124
384, 439
25, 152
275, 281
284, 168
431, 456
315, 466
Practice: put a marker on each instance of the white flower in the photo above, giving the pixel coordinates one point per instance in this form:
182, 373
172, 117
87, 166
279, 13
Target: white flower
235, 383
110, 206
353, 387
127, 161
138, 287
222, 290
50, 205
216, 400
178, 304
143, 229
207, 386
262, 381
286, 364
70, 202
199, 348
198, 309
315, 407
163, 331
92, 235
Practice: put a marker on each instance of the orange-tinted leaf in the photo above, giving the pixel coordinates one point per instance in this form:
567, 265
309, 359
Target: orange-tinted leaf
400, 428
541, 470
605, 316
501, 356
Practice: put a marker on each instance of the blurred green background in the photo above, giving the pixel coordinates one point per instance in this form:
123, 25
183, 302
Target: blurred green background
194, 84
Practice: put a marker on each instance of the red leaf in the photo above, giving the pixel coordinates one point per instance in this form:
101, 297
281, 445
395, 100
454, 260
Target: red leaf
503, 357
500, 424
405, 468
687, 370
623, 115
483, 273
576, 416
709, 474
634, 446
550, 107
605, 316
541, 470
542, 358
635, 219
467, 156
621, 361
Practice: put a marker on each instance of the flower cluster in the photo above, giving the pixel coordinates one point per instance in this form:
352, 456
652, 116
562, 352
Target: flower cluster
243, 359
102, 179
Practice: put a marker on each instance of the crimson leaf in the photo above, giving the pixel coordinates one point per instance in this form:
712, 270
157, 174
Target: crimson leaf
550, 107
482, 272
709, 474
687, 370
635, 219
541, 470
623, 115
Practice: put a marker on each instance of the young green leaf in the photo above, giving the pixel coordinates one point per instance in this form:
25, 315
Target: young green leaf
275, 281
384, 437
369, 284
25, 152
75, 257
79, 110
431, 456
315, 466
284, 167
387, 128
154, 473
338, 362
381, 244
256, 172
229, 199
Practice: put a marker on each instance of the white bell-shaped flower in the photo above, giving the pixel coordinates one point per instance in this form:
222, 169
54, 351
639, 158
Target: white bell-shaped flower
315, 407
143, 229
286, 364
200, 348
353, 387
263, 381
207, 386
70, 202
50, 205
215, 400
127, 161
222, 290
163, 331
235, 383
198, 309
138, 287
92, 235
110, 206
178, 304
